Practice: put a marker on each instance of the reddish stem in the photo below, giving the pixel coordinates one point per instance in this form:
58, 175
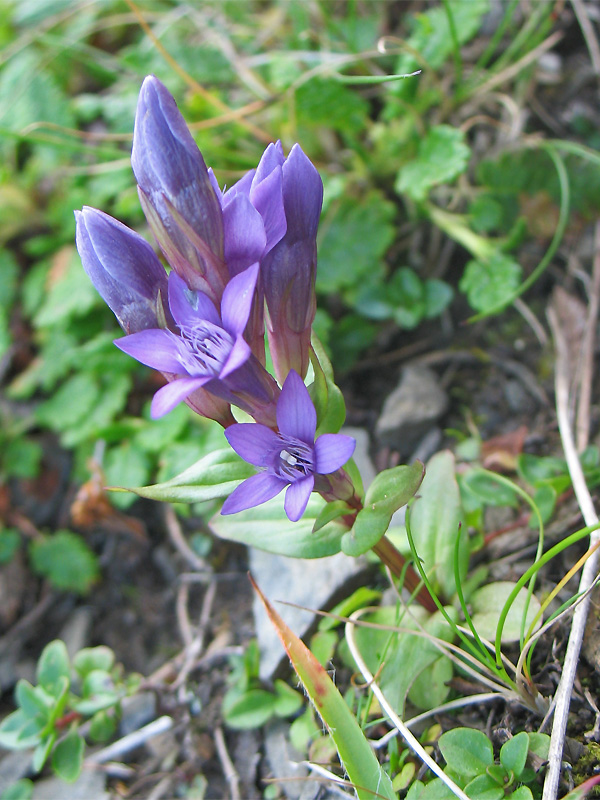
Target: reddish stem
396, 562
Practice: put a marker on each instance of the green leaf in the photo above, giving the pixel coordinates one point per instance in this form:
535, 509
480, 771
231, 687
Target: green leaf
102, 726
42, 751
488, 284
93, 658
442, 156
322, 101
332, 511
431, 36
10, 541
522, 793
72, 295
539, 743
390, 490
67, 757
363, 228
326, 395
13, 728
20, 790
356, 755
435, 522
126, 463
66, 560
490, 491
287, 700
215, 475
513, 753
29, 93
53, 667
251, 710
432, 686
487, 603
536, 470
404, 655
268, 528
70, 405
438, 295
32, 700
466, 751
484, 788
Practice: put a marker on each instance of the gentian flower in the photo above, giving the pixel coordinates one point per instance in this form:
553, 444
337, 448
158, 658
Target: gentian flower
288, 270
208, 350
123, 268
176, 192
289, 457
133, 283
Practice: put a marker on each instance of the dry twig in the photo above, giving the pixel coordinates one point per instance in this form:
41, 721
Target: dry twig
563, 693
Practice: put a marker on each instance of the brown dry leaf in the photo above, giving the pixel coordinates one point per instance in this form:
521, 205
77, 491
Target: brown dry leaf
91, 508
500, 452
541, 213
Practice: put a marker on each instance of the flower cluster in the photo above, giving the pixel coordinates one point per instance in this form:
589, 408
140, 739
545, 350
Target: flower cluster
241, 261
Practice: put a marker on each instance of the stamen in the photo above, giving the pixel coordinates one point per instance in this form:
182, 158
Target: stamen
288, 458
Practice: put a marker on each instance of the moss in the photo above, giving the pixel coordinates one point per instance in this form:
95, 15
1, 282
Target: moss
587, 766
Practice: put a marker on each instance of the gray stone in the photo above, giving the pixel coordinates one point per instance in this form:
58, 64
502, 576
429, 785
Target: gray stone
411, 410
91, 785
286, 763
13, 767
311, 583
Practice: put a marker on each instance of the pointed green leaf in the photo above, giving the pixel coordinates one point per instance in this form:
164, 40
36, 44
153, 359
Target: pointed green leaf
365, 772
435, 521
53, 665
42, 751
390, 490
326, 395
67, 757
215, 475
268, 528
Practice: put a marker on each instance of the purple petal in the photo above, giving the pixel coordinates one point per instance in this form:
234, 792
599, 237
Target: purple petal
173, 393
252, 492
302, 195
245, 238
189, 307
123, 267
241, 187
271, 159
267, 198
239, 354
158, 349
296, 497
237, 300
253, 442
296, 415
332, 450
215, 184
166, 161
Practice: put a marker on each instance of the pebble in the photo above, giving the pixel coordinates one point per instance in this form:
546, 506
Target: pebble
411, 410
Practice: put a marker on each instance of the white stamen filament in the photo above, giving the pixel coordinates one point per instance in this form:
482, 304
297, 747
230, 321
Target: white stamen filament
288, 458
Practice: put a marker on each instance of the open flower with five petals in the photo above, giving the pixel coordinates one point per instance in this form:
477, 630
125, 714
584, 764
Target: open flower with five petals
208, 350
289, 457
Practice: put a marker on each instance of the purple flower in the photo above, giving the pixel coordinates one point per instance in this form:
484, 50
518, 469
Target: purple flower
289, 457
123, 268
288, 270
208, 351
176, 192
